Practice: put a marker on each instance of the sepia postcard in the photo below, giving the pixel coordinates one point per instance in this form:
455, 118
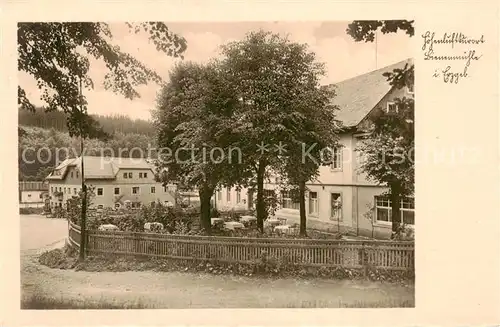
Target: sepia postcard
250, 163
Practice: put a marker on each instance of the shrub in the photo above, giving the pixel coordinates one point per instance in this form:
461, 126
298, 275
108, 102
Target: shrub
65, 258
404, 233
30, 211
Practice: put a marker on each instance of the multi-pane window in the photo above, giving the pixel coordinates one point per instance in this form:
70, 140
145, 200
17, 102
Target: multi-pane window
228, 194
153, 189
125, 175
238, 196
135, 190
289, 200
117, 190
140, 175
336, 207
337, 158
383, 210
129, 175
392, 107
313, 203
99, 191
145, 175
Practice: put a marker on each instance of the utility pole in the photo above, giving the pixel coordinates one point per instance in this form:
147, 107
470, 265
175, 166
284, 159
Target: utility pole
83, 227
376, 49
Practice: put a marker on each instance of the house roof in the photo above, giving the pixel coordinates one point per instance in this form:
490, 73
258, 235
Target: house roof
357, 96
33, 186
101, 167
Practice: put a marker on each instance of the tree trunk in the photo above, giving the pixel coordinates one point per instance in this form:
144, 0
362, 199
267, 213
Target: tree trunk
395, 208
205, 193
83, 227
260, 205
302, 208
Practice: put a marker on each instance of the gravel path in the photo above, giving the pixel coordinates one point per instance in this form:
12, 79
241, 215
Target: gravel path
190, 290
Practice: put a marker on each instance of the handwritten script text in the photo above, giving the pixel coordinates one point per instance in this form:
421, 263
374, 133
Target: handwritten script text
459, 48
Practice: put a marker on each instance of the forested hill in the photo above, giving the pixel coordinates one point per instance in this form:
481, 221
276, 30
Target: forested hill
42, 149
111, 124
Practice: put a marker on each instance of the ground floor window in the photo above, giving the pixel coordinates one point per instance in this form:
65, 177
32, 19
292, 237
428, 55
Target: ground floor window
290, 200
313, 203
383, 211
336, 206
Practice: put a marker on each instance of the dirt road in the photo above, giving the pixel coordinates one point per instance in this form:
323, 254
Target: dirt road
187, 290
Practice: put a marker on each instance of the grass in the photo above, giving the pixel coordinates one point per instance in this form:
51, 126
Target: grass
40, 302
67, 258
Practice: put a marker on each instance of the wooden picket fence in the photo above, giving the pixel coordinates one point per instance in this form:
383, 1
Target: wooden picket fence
390, 255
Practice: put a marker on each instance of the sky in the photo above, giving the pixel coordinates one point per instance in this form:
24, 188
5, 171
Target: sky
344, 58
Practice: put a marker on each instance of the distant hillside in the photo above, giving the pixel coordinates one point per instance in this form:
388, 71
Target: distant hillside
41, 149
111, 124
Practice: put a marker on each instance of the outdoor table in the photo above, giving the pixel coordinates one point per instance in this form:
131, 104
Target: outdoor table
215, 220
286, 229
232, 225
106, 227
273, 222
248, 218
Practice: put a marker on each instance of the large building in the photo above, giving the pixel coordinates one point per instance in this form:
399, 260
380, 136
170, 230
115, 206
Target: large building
342, 196
118, 182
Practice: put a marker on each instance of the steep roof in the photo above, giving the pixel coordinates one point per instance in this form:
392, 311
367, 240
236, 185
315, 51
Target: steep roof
357, 96
33, 186
101, 167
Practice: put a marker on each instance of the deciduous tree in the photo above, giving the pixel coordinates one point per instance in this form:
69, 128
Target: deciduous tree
312, 143
276, 81
193, 116
390, 149
56, 55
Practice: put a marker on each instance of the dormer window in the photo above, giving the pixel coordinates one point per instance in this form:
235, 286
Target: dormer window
391, 107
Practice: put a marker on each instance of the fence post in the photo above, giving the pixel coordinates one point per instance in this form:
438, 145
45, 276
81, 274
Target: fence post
136, 243
364, 259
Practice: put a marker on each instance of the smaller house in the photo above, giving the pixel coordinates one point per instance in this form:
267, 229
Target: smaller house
33, 194
118, 182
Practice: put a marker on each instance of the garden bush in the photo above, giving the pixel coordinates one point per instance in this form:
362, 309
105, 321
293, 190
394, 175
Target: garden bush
30, 211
